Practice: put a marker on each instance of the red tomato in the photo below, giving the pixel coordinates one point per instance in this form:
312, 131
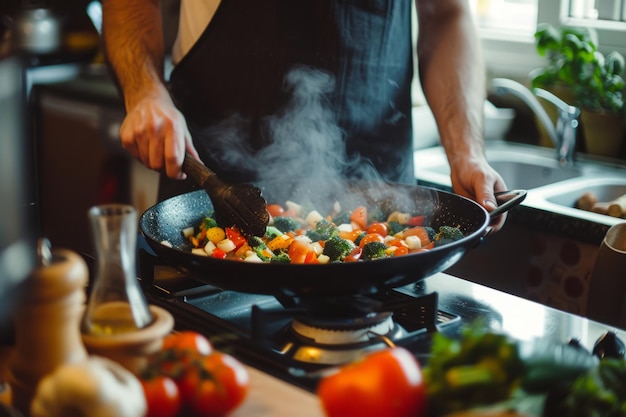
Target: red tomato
355, 255
385, 383
416, 221
371, 237
298, 251
275, 210
162, 396
359, 216
215, 387
218, 253
235, 235
380, 228
189, 342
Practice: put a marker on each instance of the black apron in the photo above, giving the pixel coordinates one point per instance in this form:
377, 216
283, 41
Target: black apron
270, 80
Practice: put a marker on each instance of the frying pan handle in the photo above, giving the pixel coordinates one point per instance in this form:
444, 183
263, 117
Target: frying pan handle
511, 199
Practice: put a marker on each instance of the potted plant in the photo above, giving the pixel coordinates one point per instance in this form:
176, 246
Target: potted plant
583, 76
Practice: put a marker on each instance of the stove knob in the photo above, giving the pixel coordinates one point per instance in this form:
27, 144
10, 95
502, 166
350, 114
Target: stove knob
609, 346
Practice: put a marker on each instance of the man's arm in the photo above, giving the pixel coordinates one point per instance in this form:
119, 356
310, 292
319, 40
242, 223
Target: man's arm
453, 79
153, 131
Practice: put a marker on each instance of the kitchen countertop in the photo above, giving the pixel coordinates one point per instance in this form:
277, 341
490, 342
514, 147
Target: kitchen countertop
521, 318
270, 396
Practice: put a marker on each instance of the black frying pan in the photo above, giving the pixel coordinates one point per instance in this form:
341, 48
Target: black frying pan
166, 220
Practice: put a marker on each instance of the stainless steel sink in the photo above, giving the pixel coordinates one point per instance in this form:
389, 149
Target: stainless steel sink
550, 187
605, 189
520, 170
563, 196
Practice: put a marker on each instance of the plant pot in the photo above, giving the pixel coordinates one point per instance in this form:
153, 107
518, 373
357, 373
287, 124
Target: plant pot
604, 132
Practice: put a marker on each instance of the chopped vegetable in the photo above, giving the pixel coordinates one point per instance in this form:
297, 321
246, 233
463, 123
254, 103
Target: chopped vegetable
374, 250
300, 235
479, 369
384, 383
337, 248
286, 224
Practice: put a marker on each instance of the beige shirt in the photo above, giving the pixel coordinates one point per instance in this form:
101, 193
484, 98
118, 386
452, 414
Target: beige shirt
195, 15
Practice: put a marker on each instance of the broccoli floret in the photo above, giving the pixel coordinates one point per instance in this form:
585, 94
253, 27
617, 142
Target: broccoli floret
395, 227
281, 257
324, 230
286, 224
432, 233
374, 250
209, 222
272, 232
260, 248
337, 248
447, 234
343, 218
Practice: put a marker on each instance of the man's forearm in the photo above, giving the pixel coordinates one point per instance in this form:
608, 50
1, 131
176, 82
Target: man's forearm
452, 73
133, 36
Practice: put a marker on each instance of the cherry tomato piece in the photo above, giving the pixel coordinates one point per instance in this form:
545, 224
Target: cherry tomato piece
235, 236
385, 383
359, 216
355, 255
162, 396
371, 237
275, 210
379, 228
218, 253
188, 341
416, 221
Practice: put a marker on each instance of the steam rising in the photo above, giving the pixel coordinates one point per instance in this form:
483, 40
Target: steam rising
306, 145
306, 139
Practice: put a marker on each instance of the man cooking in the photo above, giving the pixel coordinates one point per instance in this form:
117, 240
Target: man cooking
243, 69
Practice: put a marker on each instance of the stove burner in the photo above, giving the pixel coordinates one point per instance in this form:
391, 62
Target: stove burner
307, 333
340, 332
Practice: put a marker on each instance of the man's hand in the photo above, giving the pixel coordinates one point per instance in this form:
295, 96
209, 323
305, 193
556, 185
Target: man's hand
477, 180
156, 133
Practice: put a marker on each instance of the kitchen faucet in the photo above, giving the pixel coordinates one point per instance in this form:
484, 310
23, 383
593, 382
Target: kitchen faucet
563, 135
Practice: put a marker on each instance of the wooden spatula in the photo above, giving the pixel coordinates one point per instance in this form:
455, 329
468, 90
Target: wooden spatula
239, 205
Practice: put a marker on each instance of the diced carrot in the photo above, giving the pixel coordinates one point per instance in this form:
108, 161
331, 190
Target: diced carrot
351, 236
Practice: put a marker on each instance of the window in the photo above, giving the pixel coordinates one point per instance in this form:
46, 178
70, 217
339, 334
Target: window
506, 28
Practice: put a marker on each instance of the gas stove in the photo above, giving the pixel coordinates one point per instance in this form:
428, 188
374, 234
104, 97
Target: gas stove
299, 340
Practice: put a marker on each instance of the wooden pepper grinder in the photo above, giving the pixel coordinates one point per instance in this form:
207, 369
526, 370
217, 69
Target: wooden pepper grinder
47, 321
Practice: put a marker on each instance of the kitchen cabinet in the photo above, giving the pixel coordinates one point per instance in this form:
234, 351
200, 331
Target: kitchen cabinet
80, 159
